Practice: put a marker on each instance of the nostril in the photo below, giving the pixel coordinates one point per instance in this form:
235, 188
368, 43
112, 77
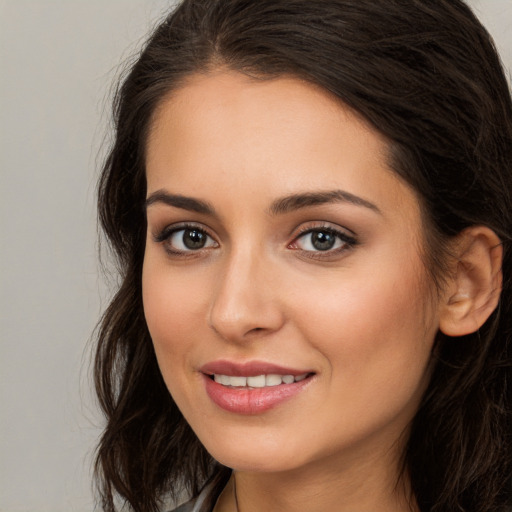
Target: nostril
238, 319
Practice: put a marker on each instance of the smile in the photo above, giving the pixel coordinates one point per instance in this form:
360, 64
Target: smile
253, 387
258, 381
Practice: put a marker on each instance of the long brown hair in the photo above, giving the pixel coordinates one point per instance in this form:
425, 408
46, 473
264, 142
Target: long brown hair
425, 73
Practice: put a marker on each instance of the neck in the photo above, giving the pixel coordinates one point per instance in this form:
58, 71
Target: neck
369, 487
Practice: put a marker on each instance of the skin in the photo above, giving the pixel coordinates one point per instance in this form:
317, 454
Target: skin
362, 317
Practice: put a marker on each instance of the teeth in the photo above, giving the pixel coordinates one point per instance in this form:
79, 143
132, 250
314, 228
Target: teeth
238, 382
224, 379
256, 382
273, 380
259, 381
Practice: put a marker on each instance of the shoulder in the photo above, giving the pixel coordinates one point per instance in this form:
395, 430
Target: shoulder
204, 502
186, 507
206, 499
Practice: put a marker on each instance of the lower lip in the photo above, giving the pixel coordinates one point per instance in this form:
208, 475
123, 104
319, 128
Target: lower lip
252, 400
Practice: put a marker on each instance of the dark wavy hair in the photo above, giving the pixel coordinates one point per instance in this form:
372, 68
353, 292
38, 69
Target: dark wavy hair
426, 75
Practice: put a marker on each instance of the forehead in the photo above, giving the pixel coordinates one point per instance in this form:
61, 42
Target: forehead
282, 109
274, 136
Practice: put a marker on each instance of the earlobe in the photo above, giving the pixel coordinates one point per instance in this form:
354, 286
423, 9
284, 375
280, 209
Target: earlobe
475, 286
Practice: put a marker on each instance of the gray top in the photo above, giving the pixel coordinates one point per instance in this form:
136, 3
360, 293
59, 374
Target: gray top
204, 502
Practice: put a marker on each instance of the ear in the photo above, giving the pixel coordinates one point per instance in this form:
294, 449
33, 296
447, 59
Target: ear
475, 286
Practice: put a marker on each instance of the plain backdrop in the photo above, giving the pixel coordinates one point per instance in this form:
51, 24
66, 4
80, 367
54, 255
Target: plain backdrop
58, 59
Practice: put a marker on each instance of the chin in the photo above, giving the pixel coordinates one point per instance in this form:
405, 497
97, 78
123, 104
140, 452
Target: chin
255, 463
250, 456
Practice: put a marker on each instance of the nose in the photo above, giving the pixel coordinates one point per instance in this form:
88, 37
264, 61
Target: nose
246, 302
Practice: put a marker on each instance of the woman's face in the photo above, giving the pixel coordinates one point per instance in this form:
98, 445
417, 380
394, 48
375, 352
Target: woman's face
283, 283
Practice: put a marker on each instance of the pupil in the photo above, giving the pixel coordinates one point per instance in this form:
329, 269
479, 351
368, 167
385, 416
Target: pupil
323, 240
194, 239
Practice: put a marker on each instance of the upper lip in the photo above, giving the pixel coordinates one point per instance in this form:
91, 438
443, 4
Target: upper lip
249, 369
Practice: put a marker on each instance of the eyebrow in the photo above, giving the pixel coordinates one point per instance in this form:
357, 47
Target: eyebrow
303, 200
179, 201
280, 206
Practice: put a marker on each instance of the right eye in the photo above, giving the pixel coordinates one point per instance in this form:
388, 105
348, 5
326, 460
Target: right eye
185, 239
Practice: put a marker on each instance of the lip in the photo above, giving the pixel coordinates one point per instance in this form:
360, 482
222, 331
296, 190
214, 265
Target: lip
251, 401
249, 369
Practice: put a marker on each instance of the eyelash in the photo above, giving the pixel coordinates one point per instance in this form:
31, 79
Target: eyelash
347, 241
164, 237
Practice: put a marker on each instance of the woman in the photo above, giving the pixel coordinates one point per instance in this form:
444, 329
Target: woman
310, 203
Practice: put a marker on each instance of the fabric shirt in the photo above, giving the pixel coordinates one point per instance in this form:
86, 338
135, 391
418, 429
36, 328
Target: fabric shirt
204, 502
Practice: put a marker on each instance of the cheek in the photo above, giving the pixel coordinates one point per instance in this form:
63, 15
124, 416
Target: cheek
173, 308
376, 331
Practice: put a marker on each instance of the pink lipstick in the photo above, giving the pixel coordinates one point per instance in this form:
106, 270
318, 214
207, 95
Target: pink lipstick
253, 387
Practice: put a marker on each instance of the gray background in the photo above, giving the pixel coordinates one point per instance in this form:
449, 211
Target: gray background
58, 59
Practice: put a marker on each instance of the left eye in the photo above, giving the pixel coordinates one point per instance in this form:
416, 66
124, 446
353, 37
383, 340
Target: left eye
322, 240
189, 239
